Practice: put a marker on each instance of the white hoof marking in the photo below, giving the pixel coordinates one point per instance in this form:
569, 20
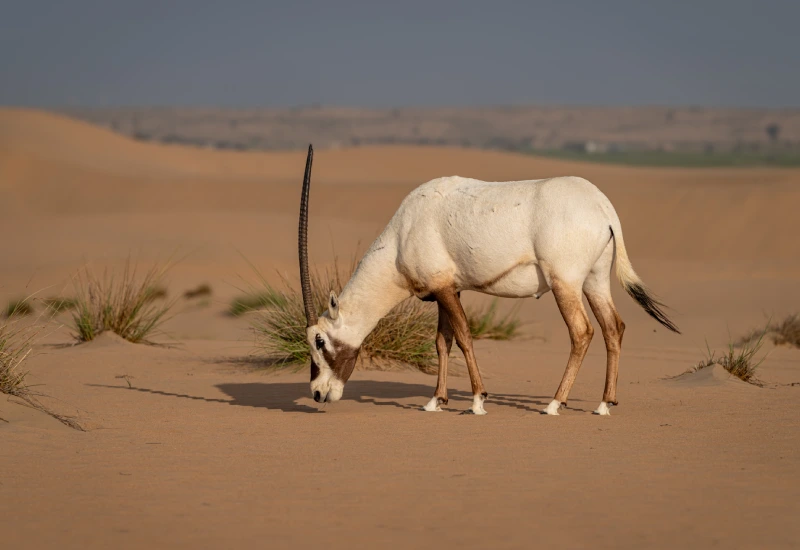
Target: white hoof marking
433, 405
477, 406
603, 409
552, 408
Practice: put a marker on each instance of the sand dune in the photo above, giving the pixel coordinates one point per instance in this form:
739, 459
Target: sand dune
52, 164
202, 450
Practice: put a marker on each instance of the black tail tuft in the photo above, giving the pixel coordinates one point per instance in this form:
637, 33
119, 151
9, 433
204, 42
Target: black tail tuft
650, 305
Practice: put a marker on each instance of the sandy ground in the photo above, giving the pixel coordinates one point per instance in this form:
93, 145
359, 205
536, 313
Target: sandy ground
206, 450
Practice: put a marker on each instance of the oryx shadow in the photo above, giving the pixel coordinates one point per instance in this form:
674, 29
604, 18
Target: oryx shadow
379, 393
283, 396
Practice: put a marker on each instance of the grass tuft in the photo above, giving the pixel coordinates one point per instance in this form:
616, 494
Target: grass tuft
16, 345
404, 337
485, 322
785, 333
200, 291
57, 304
155, 292
739, 359
123, 303
253, 301
18, 308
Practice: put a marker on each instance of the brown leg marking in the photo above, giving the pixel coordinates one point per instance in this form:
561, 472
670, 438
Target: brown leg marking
570, 303
448, 300
613, 328
444, 343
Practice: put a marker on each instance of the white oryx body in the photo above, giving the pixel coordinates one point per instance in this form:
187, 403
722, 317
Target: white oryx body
513, 239
500, 238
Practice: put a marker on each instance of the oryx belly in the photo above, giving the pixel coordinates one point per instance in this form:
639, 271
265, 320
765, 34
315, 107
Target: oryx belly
520, 281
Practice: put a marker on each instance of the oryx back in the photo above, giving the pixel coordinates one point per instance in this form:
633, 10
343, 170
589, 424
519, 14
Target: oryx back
501, 238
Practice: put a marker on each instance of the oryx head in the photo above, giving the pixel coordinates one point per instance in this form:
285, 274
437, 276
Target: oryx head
332, 359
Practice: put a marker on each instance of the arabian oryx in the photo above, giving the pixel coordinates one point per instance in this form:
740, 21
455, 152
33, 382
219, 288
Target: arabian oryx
512, 239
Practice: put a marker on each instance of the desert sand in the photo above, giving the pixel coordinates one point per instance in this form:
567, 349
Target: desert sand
208, 450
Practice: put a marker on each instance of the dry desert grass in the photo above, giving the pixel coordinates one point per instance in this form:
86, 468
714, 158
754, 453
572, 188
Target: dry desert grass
405, 336
200, 291
739, 359
782, 333
120, 302
487, 323
18, 307
17, 341
57, 304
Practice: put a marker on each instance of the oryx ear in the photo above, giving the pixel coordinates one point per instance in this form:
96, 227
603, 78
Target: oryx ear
333, 306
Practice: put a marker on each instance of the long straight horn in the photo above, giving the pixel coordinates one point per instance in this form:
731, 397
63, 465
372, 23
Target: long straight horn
302, 244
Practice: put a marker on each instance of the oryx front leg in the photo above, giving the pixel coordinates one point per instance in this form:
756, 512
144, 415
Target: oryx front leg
449, 301
570, 304
444, 343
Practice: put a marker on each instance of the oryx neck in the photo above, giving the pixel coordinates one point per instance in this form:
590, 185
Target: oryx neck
373, 290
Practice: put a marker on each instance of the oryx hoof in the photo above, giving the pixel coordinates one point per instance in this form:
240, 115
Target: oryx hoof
552, 408
433, 405
477, 405
603, 409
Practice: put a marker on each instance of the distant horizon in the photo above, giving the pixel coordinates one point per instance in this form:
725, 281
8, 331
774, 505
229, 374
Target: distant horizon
63, 107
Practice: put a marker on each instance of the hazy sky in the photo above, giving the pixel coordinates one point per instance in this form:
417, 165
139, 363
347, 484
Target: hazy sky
405, 52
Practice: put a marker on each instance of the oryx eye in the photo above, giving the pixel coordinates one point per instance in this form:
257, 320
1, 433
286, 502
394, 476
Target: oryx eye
319, 342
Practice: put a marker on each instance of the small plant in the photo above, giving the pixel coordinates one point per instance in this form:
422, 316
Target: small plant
785, 333
198, 292
119, 302
18, 308
257, 300
740, 361
16, 343
485, 323
155, 292
16, 346
58, 304
406, 336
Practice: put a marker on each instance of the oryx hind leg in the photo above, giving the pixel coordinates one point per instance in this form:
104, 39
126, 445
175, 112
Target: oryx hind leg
598, 292
444, 343
449, 301
570, 304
